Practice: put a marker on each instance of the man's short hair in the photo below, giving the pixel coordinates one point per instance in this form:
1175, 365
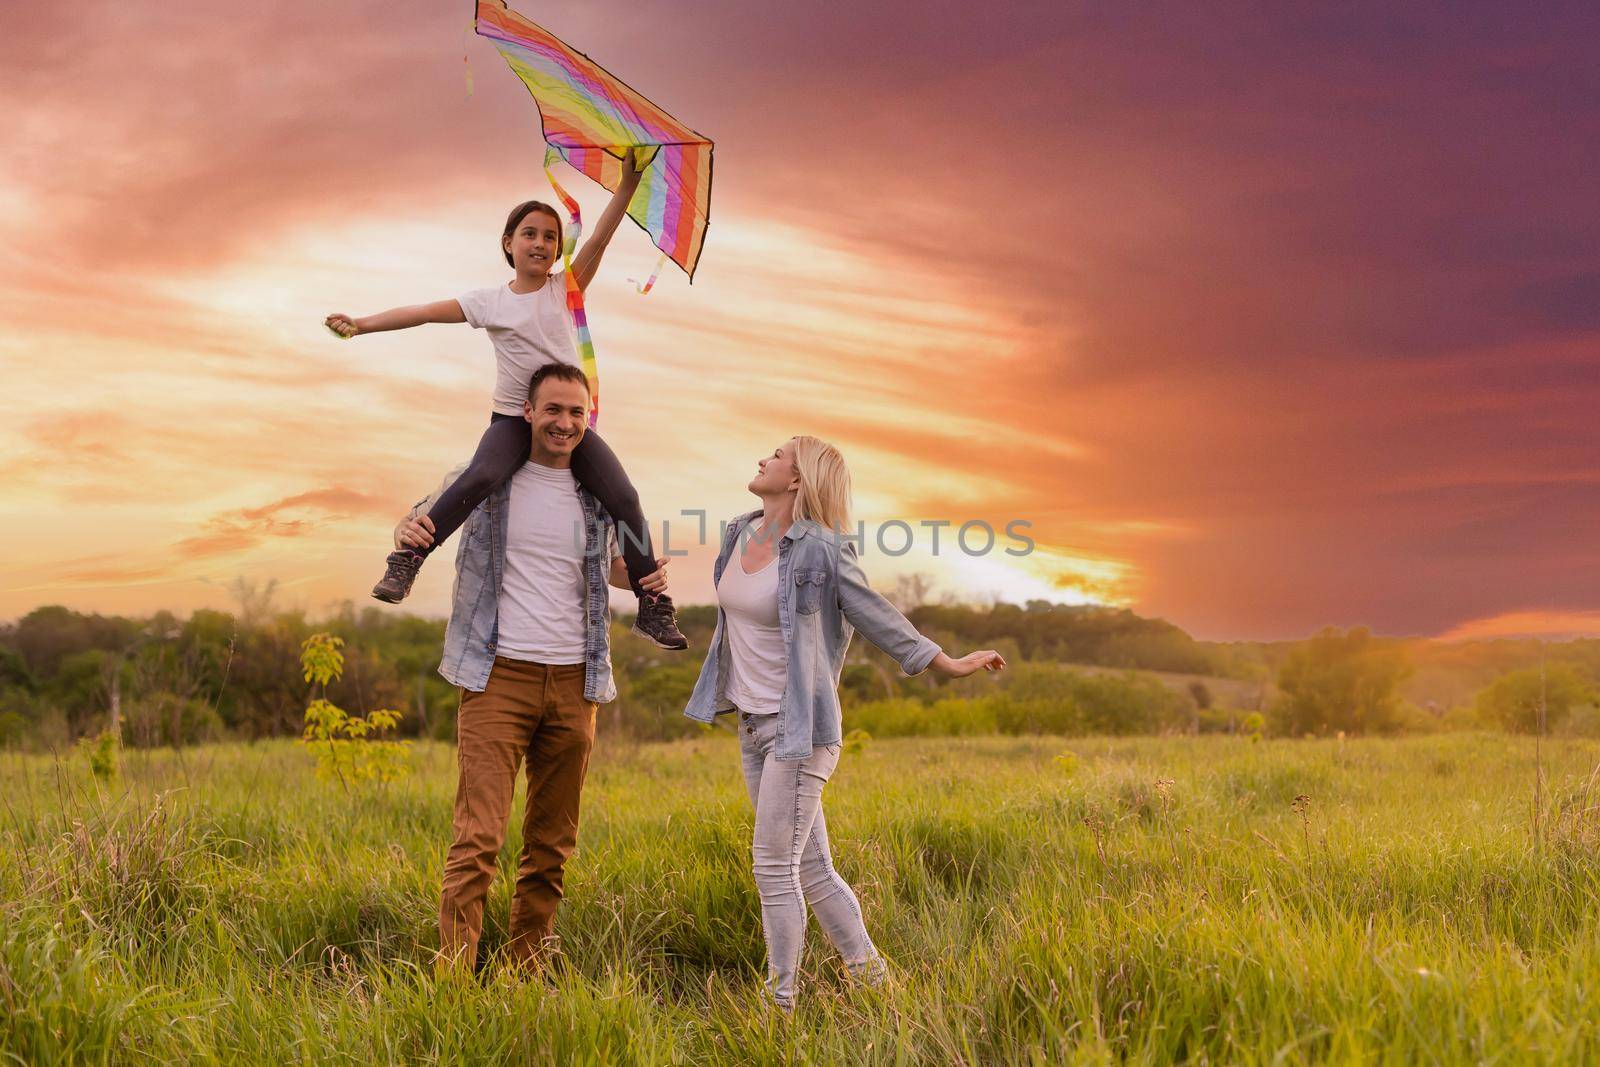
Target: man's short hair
561, 372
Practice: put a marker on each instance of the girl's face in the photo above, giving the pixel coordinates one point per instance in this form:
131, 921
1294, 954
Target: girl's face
776, 473
534, 244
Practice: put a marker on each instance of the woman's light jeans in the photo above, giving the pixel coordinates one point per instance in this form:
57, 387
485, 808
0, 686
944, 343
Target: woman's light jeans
793, 865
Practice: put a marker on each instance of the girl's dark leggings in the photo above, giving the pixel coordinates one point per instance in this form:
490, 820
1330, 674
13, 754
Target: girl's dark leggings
504, 448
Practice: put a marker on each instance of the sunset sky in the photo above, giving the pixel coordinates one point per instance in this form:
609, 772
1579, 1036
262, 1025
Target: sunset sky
1266, 316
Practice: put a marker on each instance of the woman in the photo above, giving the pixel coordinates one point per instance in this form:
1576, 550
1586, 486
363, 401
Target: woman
790, 595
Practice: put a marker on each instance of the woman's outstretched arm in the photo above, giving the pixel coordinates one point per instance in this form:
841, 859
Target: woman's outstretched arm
587, 262
971, 663
882, 623
396, 318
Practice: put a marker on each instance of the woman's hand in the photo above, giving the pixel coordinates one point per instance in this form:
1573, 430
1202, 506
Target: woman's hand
971, 663
343, 325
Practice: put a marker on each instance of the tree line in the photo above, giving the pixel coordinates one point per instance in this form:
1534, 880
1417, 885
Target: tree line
168, 680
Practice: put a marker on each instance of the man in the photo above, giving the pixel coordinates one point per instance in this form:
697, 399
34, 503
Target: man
527, 643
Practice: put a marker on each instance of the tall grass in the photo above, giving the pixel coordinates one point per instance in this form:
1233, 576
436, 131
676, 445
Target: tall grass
1139, 899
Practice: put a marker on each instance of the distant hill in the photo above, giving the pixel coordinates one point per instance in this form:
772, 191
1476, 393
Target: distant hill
1445, 674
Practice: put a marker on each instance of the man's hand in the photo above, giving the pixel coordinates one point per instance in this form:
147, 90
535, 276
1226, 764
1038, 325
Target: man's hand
414, 533
343, 325
656, 580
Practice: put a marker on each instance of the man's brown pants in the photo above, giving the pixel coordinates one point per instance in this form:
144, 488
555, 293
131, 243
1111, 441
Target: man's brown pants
531, 713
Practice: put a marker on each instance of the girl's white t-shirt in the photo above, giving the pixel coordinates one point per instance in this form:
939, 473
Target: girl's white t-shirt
528, 330
758, 662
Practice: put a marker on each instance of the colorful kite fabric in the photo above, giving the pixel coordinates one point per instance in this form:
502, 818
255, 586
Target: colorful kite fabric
590, 119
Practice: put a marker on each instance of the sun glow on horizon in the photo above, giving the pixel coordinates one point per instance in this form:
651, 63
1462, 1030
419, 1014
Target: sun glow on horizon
231, 435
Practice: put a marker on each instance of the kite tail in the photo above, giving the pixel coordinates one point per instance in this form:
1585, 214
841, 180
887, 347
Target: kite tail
651, 281
580, 321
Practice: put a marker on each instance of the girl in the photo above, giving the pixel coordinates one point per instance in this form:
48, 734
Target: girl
790, 594
530, 326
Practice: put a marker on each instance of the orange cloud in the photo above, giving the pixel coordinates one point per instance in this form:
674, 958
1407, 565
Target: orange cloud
1552, 624
230, 533
245, 528
335, 501
112, 573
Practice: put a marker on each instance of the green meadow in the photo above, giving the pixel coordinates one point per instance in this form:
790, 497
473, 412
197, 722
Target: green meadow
1042, 900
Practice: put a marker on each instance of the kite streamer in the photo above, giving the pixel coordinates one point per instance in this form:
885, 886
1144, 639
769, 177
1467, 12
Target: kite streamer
650, 282
580, 318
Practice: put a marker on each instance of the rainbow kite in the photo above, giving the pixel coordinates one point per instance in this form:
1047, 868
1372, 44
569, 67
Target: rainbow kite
591, 119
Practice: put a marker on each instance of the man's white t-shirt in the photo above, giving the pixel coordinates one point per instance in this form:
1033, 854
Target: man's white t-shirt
758, 662
528, 330
543, 594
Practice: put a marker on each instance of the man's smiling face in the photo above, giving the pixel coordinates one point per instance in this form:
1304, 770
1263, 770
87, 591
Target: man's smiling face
559, 414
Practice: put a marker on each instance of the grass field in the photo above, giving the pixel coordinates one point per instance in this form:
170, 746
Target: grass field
1042, 900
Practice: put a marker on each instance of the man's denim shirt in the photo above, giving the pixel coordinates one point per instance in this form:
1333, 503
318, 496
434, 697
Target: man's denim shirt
823, 598
473, 634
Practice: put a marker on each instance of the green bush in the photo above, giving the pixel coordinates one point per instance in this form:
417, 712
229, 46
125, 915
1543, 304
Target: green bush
1037, 715
1039, 698
347, 747
1341, 682
13, 729
1513, 700
169, 719
101, 754
905, 717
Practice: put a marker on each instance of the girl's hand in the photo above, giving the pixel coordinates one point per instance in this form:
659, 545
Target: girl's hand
971, 663
343, 325
633, 163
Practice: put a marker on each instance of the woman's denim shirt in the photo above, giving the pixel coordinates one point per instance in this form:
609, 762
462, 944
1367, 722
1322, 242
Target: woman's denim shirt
473, 633
823, 598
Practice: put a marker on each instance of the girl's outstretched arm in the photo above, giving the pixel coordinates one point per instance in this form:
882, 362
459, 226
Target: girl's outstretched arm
396, 318
587, 261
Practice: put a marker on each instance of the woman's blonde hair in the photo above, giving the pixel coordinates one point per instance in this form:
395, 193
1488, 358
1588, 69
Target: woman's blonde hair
824, 495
